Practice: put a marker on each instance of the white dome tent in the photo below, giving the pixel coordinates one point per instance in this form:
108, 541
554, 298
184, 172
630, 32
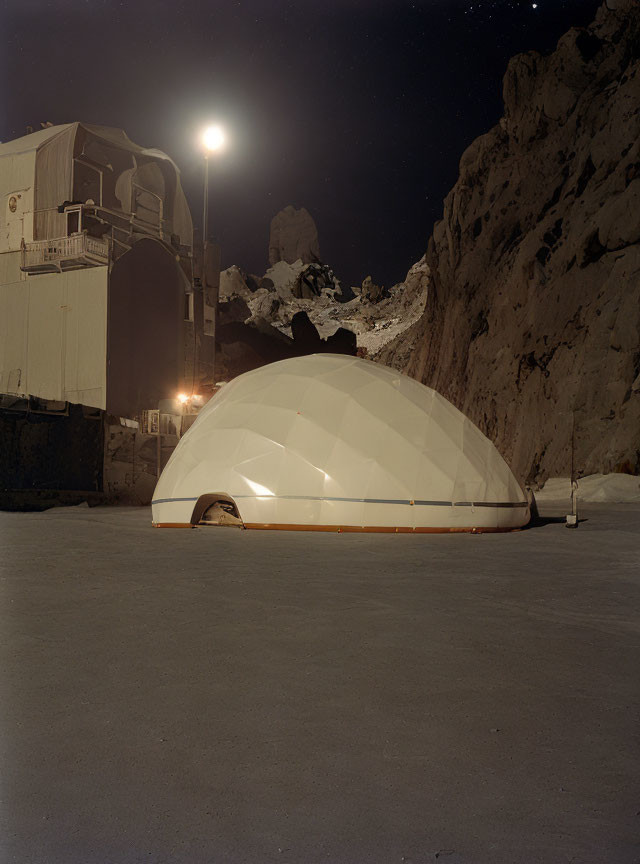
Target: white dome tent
335, 443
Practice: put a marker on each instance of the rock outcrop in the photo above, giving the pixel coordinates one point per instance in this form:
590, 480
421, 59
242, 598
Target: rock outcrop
305, 305
293, 237
532, 323
286, 290
264, 319
370, 291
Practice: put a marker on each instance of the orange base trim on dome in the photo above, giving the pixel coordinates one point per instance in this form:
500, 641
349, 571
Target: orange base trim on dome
348, 529
172, 525
374, 529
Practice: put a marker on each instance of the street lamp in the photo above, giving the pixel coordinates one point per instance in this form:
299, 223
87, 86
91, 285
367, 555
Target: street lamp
213, 138
213, 141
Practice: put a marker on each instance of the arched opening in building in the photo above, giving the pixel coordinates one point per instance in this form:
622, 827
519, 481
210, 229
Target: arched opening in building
145, 329
216, 509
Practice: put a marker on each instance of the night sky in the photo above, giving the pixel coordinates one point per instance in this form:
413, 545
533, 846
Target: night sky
358, 110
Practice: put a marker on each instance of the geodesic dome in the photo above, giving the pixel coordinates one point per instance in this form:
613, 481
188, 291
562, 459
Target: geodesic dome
330, 442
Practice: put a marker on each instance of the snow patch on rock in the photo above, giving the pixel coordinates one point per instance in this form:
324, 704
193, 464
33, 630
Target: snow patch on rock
276, 298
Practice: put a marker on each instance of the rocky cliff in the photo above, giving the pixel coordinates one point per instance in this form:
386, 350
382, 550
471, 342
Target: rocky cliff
532, 321
293, 236
374, 318
299, 306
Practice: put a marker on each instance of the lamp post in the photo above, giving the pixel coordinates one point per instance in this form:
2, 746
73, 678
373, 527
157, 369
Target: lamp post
213, 140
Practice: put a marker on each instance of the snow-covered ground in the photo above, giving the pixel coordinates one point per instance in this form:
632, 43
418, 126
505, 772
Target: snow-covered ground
218, 695
595, 488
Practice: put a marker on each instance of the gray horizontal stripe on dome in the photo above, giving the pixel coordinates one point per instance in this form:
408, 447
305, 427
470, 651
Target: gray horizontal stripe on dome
489, 504
171, 500
405, 501
347, 500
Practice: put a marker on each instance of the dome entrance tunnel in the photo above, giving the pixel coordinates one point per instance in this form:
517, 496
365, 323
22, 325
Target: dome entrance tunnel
216, 509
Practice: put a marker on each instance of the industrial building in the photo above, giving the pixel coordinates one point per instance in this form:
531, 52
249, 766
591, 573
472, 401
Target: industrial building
104, 314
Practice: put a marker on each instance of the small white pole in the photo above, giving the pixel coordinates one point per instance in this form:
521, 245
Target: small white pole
572, 518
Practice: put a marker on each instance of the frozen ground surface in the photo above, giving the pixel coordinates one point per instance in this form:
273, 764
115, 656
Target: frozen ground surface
225, 696
594, 489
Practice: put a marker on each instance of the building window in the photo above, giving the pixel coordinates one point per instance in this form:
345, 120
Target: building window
188, 307
73, 222
87, 183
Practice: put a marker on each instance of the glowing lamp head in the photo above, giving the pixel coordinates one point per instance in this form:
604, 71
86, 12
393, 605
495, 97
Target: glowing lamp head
213, 139
183, 398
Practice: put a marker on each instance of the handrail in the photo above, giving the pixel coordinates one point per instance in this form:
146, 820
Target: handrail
64, 253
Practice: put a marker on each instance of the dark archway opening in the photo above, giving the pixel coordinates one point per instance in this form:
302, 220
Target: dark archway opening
216, 509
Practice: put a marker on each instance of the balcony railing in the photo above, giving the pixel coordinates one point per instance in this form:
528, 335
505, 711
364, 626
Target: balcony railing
64, 253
